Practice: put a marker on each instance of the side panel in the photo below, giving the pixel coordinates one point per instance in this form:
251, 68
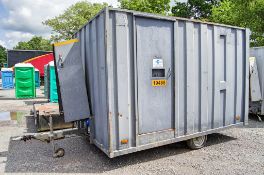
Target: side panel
240, 77
180, 77
210, 77
123, 49
71, 81
121, 80
93, 56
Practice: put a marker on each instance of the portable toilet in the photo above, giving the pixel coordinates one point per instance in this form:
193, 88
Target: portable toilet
7, 78
53, 94
37, 78
46, 84
25, 80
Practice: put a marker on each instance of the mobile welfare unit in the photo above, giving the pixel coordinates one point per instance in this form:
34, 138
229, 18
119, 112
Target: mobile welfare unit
146, 80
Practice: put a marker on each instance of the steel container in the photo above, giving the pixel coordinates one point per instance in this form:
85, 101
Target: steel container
154, 80
258, 53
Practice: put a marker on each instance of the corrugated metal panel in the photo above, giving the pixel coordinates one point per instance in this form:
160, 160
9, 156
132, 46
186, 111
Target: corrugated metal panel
205, 68
70, 78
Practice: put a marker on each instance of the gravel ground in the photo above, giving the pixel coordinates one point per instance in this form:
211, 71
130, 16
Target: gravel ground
233, 151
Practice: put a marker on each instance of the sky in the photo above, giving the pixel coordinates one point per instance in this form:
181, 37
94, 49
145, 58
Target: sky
22, 19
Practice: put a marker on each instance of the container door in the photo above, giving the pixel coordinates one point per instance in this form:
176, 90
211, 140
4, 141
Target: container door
154, 66
71, 81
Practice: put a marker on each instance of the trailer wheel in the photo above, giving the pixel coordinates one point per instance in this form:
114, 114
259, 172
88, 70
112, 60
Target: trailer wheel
197, 143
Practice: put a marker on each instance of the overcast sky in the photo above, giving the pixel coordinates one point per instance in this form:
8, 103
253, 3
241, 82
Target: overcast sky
22, 19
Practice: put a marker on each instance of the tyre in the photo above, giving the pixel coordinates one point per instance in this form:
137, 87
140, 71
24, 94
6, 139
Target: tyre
197, 143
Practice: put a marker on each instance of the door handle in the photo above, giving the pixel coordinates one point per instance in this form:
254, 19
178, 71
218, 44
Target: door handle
60, 62
168, 73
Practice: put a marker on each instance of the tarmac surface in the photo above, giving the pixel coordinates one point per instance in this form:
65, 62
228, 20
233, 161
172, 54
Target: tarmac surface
233, 151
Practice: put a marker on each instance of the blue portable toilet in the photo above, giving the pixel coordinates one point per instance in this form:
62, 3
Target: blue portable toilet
7, 78
37, 78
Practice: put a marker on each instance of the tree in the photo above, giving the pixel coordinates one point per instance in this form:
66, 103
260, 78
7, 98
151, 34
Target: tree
150, 6
197, 9
242, 13
66, 24
2, 55
35, 43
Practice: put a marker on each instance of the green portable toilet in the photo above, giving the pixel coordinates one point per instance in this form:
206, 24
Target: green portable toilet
37, 78
25, 80
52, 83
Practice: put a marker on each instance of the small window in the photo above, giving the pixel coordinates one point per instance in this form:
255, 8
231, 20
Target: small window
158, 73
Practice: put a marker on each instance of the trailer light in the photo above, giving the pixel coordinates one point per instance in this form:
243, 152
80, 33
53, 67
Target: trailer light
124, 141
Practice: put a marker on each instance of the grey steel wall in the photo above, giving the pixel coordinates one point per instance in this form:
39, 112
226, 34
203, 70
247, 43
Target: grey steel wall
207, 88
258, 52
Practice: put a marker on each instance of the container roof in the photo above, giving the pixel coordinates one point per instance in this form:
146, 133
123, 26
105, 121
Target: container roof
24, 65
157, 16
6, 69
51, 63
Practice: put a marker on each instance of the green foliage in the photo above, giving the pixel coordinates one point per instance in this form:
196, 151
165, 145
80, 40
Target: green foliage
35, 43
66, 24
197, 9
149, 6
2, 55
243, 13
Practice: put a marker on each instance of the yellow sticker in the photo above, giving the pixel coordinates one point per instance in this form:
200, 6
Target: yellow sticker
159, 82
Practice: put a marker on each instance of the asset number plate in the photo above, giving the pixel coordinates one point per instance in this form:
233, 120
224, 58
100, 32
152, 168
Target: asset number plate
159, 82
